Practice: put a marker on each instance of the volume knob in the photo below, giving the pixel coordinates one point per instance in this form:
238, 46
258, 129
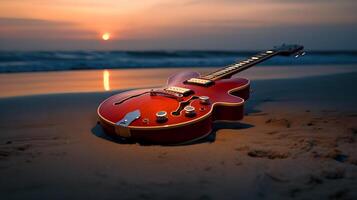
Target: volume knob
204, 99
161, 116
189, 111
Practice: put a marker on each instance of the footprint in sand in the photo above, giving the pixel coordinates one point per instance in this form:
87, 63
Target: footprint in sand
8, 150
310, 124
279, 122
162, 155
340, 194
314, 180
346, 138
337, 173
267, 154
242, 148
272, 132
337, 155
353, 161
4, 154
23, 147
354, 131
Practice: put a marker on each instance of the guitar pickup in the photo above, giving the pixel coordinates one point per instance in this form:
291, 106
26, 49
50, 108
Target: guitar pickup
199, 81
179, 90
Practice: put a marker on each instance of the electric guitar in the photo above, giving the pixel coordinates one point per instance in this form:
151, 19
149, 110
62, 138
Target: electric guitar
184, 109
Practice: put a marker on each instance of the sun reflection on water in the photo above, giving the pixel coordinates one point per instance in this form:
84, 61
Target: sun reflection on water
106, 83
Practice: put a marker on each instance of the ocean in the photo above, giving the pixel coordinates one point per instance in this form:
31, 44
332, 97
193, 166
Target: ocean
33, 61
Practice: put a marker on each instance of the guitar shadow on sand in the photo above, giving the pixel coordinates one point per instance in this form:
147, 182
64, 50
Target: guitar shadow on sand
99, 132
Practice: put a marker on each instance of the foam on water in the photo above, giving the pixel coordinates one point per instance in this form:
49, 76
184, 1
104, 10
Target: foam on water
14, 61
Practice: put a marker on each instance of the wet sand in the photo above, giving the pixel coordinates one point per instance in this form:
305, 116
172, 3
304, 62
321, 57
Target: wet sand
22, 84
297, 140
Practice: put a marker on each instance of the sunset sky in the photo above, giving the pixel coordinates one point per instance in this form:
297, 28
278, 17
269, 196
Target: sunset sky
176, 24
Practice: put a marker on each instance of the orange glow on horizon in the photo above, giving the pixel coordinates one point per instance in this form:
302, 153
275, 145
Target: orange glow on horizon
170, 24
106, 83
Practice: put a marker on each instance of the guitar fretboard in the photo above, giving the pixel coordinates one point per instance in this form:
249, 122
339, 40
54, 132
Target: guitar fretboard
239, 66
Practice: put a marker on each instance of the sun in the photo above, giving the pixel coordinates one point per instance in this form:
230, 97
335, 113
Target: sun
106, 36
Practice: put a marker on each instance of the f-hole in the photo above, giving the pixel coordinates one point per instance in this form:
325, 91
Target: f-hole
183, 105
125, 99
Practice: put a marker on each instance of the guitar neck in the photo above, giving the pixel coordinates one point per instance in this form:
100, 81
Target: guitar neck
232, 69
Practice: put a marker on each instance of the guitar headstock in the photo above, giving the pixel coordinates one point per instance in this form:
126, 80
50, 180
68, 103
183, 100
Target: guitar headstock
291, 49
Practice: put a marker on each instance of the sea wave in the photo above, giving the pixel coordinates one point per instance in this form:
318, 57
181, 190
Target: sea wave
16, 61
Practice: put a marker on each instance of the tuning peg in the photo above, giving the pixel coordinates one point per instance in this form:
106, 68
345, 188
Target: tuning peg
300, 53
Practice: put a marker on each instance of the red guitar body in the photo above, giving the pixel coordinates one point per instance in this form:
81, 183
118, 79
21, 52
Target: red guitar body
226, 101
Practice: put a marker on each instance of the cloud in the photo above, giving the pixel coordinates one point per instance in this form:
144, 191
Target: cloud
38, 28
27, 22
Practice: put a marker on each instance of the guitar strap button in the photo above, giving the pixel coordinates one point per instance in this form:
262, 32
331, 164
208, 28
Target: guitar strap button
146, 121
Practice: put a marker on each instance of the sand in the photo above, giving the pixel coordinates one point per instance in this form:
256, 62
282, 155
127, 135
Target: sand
297, 140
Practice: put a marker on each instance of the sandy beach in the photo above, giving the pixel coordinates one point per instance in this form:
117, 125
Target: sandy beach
297, 141
61, 60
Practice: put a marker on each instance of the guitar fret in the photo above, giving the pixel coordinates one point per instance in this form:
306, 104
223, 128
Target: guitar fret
208, 76
242, 65
232, 67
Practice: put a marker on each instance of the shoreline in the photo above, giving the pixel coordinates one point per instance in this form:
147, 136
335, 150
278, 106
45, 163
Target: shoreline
24, 84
